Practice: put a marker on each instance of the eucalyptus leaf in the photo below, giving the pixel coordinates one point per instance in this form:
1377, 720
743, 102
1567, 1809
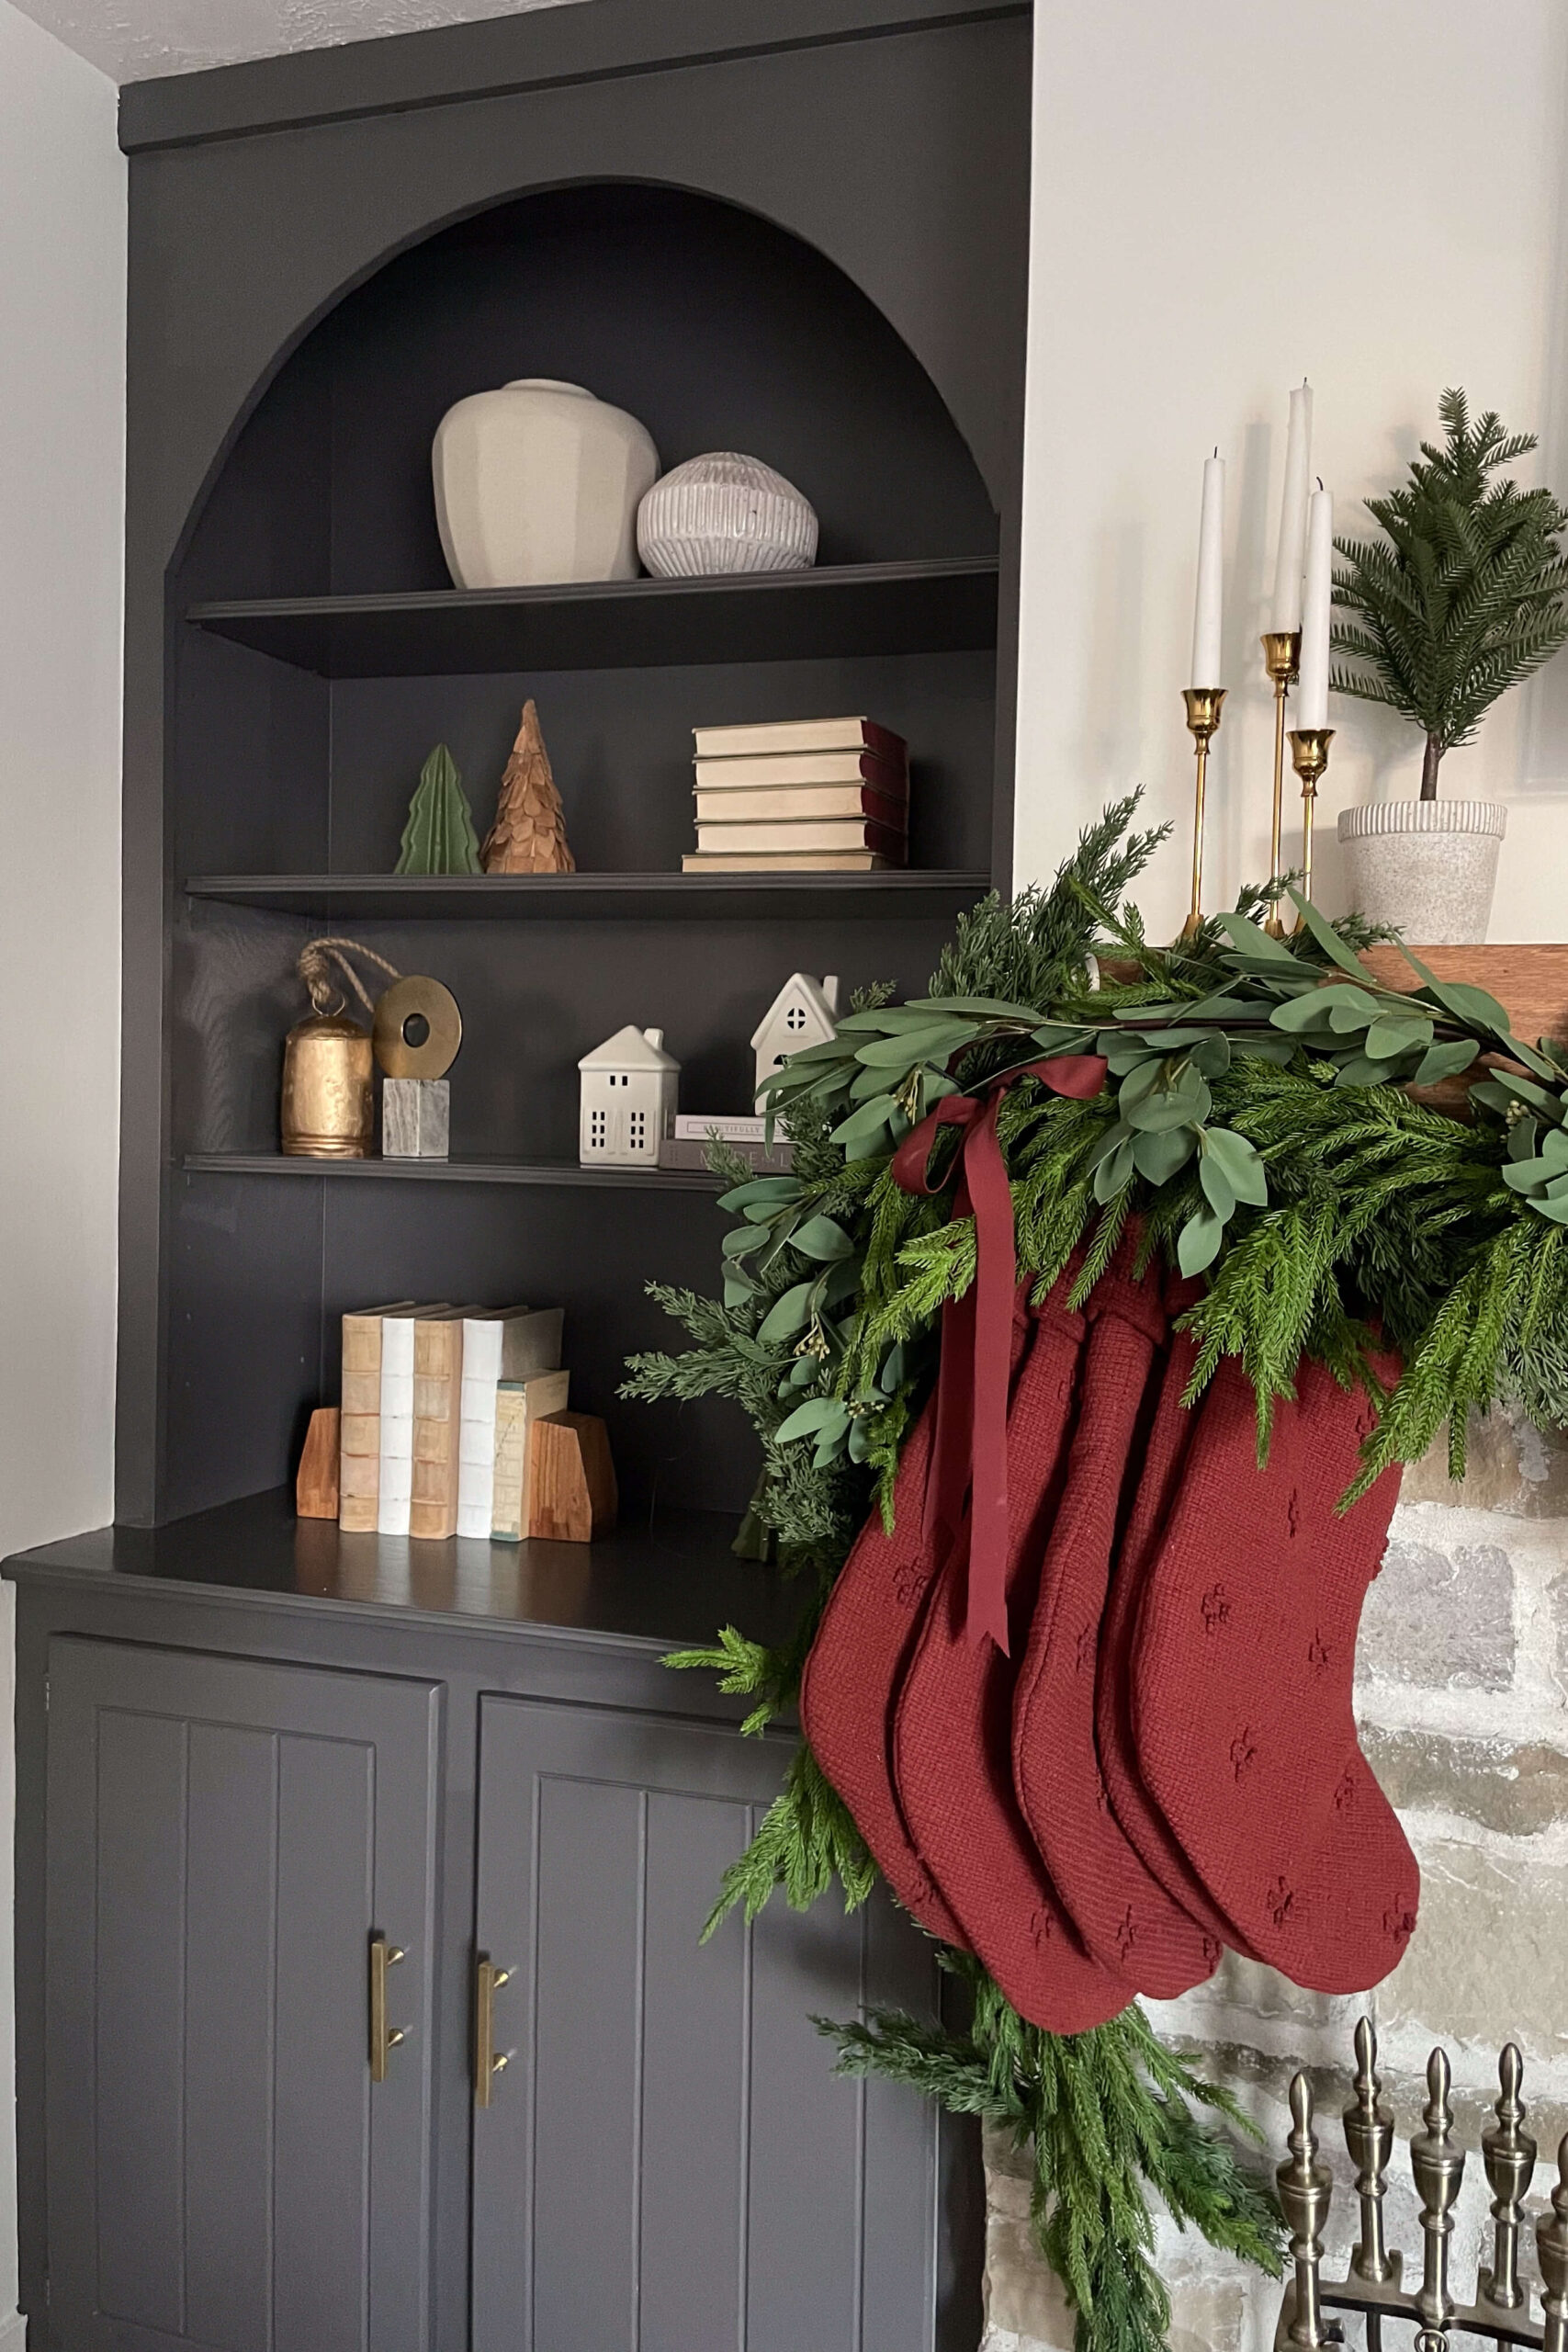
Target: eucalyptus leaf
812, 1419
743, 1240
1349, 1010
1556, 1210
1217, 1190
982, 1007
1242, 1163
1327, 938
913, 1045
738, 1287
863, 1127
1254, 941
1278, 1050
1115, 1173
1299, 1013
1198, 1244
1161, 1157
842, 1281
1391, 1034
1188, 1104
820, 1237
1211, 1055
1361, 1069
1471, 1005
802, 1374
787, 1315
1445, 1059
859, 1439
761, 1188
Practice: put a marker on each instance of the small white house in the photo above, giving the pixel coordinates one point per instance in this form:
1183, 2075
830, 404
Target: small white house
629, 1089
805, 1012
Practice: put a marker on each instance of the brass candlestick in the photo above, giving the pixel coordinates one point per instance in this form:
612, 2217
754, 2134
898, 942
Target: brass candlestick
1203, 707
1281, 660
1309, 757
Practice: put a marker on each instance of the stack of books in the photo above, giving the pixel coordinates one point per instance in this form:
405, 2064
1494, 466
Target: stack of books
437, 1402
825, 796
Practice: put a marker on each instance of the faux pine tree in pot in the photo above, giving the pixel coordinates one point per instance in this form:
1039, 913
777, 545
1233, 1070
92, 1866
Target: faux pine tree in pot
1464, 594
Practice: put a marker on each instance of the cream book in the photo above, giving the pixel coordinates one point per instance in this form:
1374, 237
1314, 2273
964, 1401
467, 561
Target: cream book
359, 1441
800, 735
509, 1343
395, 1460
799, 771
518, 1405
785, 861
437, 1393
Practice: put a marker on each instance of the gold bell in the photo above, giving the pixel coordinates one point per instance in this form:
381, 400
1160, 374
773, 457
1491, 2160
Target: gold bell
329, 1095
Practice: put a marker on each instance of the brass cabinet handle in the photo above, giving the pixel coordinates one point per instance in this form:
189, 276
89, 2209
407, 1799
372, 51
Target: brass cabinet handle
383, 2037
488, 1981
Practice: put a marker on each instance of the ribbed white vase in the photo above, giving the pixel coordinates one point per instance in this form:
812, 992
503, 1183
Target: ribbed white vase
1429, 865
538, 482
724, 512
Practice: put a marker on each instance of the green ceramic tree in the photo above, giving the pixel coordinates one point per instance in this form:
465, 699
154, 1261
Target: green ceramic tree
439, 837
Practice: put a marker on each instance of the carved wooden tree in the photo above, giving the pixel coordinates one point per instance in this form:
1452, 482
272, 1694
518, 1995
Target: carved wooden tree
529, 832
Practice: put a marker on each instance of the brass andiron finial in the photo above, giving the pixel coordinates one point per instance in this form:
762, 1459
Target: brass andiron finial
1306, 2188
1369, 2136
1204, 705
1373, 2285
1508, 2153
1551, 2252
1309, 757
1281, 660
1438, 2168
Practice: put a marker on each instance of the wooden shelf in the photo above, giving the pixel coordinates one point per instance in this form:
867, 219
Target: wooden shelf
554, 1172
946, 605
626, 898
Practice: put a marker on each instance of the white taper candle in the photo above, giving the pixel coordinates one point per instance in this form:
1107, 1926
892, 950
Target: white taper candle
1312, 701
1286, 610
1211, 577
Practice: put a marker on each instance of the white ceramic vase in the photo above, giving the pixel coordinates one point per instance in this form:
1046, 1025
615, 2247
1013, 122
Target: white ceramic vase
724, 512
539, 482
1429, 865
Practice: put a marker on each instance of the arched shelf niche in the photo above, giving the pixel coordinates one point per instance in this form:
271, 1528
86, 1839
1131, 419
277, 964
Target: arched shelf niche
715, 326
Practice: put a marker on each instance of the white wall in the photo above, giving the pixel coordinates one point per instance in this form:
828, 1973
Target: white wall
61, 500
1228, 196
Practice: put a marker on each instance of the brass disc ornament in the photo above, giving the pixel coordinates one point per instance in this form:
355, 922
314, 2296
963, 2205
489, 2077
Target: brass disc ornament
417, 1029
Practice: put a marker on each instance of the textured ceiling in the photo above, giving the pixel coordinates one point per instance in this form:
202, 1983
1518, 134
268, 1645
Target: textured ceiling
134, 39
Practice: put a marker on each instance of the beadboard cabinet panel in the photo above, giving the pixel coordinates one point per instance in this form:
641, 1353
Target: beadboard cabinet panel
741, 2193
224, 1837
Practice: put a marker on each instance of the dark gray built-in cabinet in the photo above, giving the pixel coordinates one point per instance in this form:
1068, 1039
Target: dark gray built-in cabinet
314, 1830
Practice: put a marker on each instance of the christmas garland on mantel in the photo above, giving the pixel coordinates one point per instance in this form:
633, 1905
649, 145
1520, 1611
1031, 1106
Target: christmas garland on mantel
1249, 1099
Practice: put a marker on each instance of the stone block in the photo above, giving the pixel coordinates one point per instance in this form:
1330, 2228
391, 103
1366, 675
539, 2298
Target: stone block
1442, 1619
1518, 1790
416, 1118
1510, 1468
1486, 1962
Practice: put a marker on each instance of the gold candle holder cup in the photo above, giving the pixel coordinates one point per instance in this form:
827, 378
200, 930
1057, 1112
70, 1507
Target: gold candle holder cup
1309, 757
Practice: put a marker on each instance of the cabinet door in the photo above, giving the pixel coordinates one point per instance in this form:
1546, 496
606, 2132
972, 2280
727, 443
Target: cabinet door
225, 1838
667, 2162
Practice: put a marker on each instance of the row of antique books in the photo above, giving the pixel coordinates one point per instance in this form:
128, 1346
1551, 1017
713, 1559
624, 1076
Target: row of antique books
826, 796
437, 1405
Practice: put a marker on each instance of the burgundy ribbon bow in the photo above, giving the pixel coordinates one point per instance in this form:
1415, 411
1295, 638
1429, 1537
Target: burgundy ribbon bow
969, 1449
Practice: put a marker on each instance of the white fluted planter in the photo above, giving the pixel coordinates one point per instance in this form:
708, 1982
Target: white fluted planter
1429, 865
538, 483
724, 512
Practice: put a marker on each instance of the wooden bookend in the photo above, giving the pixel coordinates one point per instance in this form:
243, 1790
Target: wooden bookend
315, 1488
572, 1479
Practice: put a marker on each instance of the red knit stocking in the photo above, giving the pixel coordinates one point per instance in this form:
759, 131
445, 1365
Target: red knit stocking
857, 1663
953, 1731
1242, 1680
1153, 1499
1125, 1917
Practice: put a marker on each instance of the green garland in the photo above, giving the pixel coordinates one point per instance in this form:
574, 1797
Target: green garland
1256, 1118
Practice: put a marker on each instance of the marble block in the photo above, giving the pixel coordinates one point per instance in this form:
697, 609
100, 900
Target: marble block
416, 1118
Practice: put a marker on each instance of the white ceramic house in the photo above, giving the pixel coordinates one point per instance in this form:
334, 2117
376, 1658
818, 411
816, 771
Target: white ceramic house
805, 1012
629, 1089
